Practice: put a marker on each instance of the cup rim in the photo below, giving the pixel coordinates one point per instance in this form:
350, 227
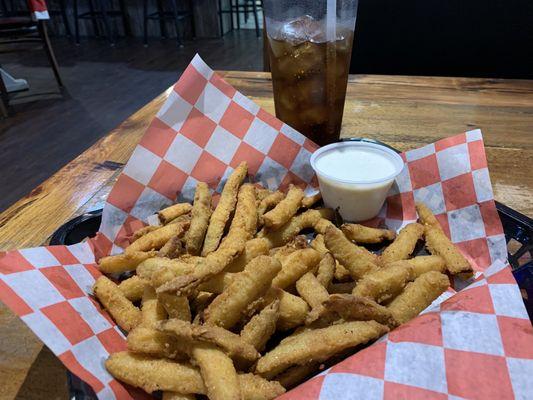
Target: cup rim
394, 156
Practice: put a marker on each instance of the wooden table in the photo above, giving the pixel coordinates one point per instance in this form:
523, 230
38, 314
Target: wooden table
406, 112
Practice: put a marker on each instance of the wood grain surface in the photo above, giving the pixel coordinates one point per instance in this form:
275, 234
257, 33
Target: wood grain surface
405, 112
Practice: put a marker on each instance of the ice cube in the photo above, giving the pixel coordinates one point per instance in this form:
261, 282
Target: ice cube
303, 29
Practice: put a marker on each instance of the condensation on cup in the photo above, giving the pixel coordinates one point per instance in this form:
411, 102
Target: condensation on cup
310, 46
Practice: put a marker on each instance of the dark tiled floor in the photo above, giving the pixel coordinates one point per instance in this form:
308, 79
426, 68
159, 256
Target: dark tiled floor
105, 85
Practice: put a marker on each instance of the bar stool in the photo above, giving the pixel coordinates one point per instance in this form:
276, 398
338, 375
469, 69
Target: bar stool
162, 15
101, 10
237, 7
61, 10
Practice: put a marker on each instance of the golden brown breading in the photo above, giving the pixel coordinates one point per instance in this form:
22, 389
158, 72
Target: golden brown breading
343, 287
357, 260
253, 387
326, 270
175, 306
156, 239
152, 342
173, 248
404, 244
200, 214
309, 201
312, 291
125, 314
425, 216
178, 396
317, 345
152, 311
252, 248
318, 244
225, 207
259, 329
296, 375
143, 231
268, 203
280, 253
364, 234
418, 295
174, 211
355, 308
423, 264
438, 244
295, 265
227, 309
245, 217
133, 288
124, 262
285, 209
165, 271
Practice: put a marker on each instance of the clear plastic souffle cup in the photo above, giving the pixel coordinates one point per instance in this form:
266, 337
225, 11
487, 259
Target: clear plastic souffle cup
355, 177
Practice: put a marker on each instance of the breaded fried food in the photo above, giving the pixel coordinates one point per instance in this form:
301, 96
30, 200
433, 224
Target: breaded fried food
403, 245
133, 288
168, 214
287, 232
422, 264
281, 253
245, 218
175, 306
200, 214
166, 271
326, 270
218, 283
386, 283
323, 224
261, 193
438, 244
178, 396
218, 373
125, 314
173, 248
318, 244
213, 264
151, 374
295, 266
261, 327
232, 344
356, 308
309, 201
152, 311
268, 203
228, 308
418, 295
341, 274
312, 291
425, 215
357, 260
317, 345
285, 209
150, 341
148, 267
296, 375
253, 387
156, 239
253, 248
143, 231
225, 207
364, 234
124, 262
342, 287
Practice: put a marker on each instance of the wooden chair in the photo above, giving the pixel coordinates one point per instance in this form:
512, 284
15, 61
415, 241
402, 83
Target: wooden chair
102, 10
161, 15
236, 8
17, 29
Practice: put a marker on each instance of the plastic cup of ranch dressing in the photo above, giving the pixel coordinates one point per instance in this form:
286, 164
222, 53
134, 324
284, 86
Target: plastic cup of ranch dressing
354, 177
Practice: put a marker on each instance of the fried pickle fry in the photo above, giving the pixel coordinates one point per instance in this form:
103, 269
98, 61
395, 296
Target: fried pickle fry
174, 211
218, 373
418, 295
213, 264
311, 290
149, 341
386, 283
173, 248
296, 375
438, 244
423, 264
167, 271
225, 207
281, 253
175, 306
341, 274
404, 244
152, 311
178, 396
326, 270
200, 214
323, 224
342, 287
143, 231
285, 209
357, 260
252, 248
261, 327
245, 218
253, 387
156, 239
218, 283
425, 216
125, 314
356, 308
295, 266
232, 344
309, 201
151, 374
268, 203
133, 288
227, 309
287, 232
317, 345
364, 234
124, 262
261, 193
318, 244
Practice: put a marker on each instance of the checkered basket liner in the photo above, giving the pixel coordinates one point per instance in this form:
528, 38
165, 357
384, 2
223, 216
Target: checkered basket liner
477, 343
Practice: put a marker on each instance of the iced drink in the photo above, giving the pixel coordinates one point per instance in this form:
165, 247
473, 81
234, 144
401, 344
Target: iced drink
309, 76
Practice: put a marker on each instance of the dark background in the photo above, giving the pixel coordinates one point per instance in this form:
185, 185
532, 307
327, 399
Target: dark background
471, 38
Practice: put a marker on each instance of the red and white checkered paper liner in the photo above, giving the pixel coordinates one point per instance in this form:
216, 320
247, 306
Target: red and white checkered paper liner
477, 343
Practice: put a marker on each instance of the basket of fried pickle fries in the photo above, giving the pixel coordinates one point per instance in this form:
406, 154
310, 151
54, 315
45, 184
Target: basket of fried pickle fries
248, 287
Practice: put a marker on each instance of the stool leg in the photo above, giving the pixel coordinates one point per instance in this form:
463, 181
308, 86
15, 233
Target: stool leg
145, 19
105, 18
238, 15
49, 51
162, 23
76, 22
4, 98
64, 17
176, 22
93, 19
220, 18
256, 19
245, 10
125, 20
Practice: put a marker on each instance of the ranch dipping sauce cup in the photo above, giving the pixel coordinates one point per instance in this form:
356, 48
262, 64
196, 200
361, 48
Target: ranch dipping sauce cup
354, 177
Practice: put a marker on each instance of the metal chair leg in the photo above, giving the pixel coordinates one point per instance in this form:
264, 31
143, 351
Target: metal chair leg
125, 19
220, 18
43, 32
76, 22
145, 20
256, 19
63, 11
245, 10
4, 98
93, 19
176, 21
161, 14
107, 27
237, 13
